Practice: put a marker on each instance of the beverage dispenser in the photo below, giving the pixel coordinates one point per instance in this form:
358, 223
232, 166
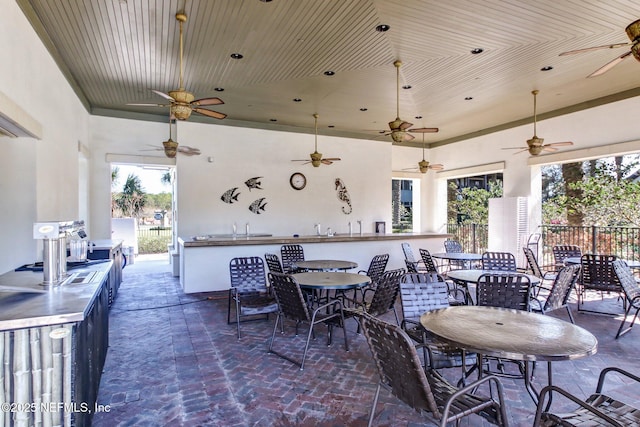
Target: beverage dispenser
54, 235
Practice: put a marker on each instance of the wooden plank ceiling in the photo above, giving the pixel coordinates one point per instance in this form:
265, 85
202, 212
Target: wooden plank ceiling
115, 51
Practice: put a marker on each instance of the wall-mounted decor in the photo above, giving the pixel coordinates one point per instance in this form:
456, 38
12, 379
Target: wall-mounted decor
380, 227
257, 207
343, 196
230, 195
298, 181
253, 183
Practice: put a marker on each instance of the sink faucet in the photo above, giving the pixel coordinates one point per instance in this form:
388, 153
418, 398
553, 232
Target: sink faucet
235, 229
318, 228
350, 229
360, 225
246, 227
329, 232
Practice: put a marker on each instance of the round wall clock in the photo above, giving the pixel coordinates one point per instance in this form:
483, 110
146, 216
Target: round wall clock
298, 181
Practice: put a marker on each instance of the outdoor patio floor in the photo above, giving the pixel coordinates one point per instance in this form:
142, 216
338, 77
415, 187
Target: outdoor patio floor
173, 360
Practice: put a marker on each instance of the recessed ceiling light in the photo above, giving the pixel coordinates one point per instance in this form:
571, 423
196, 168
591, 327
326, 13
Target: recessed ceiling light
329, 73
418, 117
265, 1
363, 109
237, 56
477, 50
331, 126
218, 89
406, 87
547, 68
297, 100
273, 120
382, 28
468, 98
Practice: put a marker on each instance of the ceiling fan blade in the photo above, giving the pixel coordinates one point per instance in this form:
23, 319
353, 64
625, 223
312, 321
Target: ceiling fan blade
549, 148
409, 137
188, 151
437, 167
515, 148
207, 101
410, 169
424, 130
522, 150
149, 105
162, 94
590, 49
210, 113
405, 125
333, 159
609, 65
559, 144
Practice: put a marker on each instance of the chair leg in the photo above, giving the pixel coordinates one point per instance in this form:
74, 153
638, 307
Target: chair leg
238, 317
275, 328
306, 346
570, 315
373, 407
620, 331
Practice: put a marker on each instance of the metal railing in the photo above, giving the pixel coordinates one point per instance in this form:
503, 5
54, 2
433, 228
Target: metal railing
624, 242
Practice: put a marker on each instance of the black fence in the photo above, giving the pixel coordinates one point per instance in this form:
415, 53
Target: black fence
624, 242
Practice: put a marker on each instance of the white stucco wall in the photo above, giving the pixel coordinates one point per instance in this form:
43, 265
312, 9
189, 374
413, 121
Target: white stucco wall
38, 178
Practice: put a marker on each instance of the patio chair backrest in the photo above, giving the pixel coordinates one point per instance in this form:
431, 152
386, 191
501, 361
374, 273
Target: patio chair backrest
504, 261
452, 246
561, 252
386, 292
562, 286
398, 364
273, 263
247, 274
598, 273
408, 252
511, 290
429, 264
290, 254
291, 301
628, 282
377, 266
532, 262
420, 293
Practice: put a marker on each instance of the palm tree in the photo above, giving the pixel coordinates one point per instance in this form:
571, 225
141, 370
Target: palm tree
166, 178
132, 199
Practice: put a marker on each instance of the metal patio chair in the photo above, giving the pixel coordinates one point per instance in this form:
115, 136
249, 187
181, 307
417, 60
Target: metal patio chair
558, 296
597, 275
249, 291
561, 252
631, 293
453, 246
292, 305
273, 263
413, 265
534, 268
504, 261
425, 390
290, 254
597, 410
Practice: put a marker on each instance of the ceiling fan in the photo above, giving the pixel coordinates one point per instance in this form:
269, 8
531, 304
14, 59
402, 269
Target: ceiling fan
399, 129
423, 165
181, 101
316, 158
171, 147
535, 145
633, 31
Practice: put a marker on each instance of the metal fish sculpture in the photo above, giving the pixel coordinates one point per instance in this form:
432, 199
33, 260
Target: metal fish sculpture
257, 206
253, 183
230, 195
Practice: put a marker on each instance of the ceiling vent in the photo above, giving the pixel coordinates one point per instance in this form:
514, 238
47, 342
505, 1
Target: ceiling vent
15, 122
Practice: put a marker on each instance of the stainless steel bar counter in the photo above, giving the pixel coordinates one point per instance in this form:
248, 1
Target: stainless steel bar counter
53, 345
204, 260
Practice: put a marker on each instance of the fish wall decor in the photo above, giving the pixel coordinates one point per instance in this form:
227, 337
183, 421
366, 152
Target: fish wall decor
230, 196
253, 183
257, 207
343, 196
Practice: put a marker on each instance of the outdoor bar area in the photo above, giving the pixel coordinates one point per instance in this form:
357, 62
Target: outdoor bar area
357, 220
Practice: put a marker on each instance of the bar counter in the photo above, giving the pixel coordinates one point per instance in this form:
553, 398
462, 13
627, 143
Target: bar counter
54, 342
204, 260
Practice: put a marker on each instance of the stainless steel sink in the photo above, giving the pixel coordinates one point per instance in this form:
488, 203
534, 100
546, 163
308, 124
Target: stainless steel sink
83, 277
227, 236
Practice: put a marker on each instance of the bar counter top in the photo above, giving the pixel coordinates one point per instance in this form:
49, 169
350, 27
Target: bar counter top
266, 239
26, 303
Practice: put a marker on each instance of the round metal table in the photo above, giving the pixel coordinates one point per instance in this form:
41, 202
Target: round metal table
457, 256
325, 264
331, 280
511, 334
472, 276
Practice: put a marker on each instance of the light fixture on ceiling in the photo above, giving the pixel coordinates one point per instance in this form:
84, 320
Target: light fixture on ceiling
383, 28
237, 56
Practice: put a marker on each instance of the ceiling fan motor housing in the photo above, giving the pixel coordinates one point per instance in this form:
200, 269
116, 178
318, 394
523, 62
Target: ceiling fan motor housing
398, 135
170, 148
633, 31
423, 165
181, 108
316, 159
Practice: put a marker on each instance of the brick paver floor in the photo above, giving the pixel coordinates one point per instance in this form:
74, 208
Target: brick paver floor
174, 361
